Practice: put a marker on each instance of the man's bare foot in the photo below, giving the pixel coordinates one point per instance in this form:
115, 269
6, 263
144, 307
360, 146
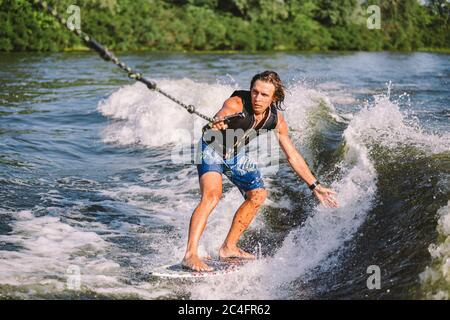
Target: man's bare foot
227, 253
195, 263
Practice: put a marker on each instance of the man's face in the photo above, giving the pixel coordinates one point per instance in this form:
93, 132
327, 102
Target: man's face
262, 96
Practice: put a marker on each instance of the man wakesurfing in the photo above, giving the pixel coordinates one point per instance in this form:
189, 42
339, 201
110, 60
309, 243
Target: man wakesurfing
223, 152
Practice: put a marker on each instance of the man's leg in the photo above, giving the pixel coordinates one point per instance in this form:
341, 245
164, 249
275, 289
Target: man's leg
242, 219
211, 189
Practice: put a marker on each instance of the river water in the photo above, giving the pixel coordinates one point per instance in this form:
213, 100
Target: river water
93, 195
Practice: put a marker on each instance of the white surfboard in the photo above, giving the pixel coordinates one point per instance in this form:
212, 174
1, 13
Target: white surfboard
178, 271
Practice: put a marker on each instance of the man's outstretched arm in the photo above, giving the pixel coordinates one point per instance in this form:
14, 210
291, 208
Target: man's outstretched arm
298, 163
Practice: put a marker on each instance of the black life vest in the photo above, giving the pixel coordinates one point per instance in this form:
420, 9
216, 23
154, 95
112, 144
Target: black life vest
229, 142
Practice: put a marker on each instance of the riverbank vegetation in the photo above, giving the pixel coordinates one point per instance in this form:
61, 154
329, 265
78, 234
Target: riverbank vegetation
250, 25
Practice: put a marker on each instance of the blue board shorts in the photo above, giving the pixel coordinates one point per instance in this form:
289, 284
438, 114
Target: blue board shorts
240, 170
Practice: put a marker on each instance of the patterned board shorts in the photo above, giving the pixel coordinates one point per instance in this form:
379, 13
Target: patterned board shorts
240, 170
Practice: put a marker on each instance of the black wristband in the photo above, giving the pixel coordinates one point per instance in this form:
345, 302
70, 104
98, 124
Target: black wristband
314, 185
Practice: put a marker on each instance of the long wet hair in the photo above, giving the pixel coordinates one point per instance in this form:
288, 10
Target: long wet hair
273, 78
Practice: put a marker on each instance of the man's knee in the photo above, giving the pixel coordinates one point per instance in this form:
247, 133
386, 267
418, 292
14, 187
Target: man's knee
257, 197
211, 198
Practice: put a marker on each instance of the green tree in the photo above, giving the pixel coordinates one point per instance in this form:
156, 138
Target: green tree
229, 24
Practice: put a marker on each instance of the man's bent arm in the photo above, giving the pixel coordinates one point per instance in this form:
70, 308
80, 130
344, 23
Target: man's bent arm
230, 106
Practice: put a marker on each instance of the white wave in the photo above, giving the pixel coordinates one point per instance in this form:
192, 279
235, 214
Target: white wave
150, 119
382, 123
336, 92
52, 257
48, 248
435, 278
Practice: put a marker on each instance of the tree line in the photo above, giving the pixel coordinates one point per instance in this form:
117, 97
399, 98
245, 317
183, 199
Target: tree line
178, 25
